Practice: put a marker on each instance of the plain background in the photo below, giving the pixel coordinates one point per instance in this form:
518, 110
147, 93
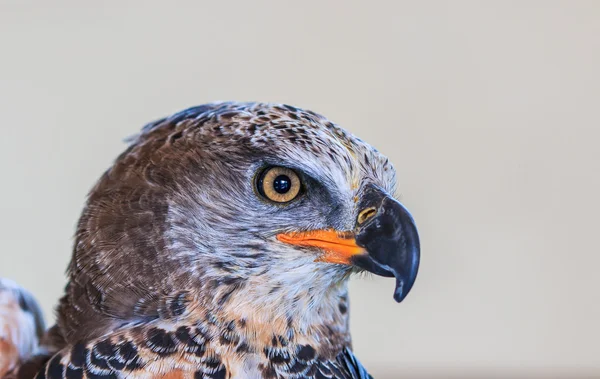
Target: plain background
489, 110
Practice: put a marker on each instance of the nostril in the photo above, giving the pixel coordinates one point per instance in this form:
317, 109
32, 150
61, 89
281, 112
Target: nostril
365, 214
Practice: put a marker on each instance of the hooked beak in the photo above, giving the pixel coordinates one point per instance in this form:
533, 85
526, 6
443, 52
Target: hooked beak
385, 241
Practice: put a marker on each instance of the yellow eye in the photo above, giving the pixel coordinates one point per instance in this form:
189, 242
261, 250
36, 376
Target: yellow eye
279, 184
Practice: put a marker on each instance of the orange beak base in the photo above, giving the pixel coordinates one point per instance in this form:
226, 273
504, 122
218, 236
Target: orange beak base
338, 247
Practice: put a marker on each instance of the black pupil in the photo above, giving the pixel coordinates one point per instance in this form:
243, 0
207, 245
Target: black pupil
282, 184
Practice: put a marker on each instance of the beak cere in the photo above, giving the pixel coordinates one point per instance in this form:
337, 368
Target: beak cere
385, 241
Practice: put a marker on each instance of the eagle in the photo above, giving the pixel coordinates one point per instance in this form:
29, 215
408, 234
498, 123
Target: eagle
219, 245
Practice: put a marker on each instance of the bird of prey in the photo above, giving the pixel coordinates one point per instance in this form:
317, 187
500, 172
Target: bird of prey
219, 245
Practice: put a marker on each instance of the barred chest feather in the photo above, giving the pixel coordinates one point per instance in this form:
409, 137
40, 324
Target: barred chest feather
215, 347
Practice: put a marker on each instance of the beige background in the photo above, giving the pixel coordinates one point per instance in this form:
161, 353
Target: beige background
489, 110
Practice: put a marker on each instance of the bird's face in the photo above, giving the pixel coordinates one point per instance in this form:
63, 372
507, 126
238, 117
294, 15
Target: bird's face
296, 203
251, 201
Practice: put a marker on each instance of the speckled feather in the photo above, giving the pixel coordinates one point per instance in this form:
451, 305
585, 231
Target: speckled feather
176, 270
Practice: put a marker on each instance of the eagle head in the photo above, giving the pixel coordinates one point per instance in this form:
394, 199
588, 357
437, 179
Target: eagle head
252, 210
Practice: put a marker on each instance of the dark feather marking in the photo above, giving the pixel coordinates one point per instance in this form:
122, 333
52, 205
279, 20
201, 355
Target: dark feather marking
78, 354
55, 368
306, 353
160, 342
73, 373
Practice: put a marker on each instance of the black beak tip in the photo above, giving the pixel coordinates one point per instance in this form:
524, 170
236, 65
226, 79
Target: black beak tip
399, 292
402, 289
405, 280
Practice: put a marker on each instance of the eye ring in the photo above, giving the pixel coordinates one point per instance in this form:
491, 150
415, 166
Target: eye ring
279, 184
